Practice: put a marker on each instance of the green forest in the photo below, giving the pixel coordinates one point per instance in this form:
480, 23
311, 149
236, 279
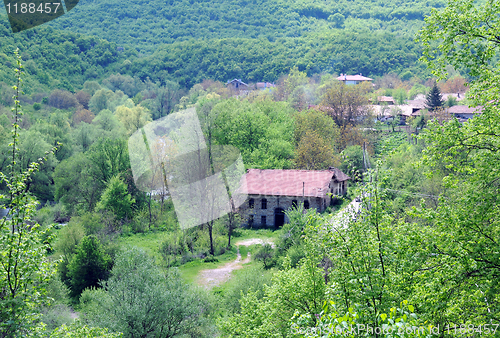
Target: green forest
411, 250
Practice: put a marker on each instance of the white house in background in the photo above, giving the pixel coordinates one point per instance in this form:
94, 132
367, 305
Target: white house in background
353, 79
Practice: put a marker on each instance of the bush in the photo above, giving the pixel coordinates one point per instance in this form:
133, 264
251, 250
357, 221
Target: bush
140, 300
252, 279
211, 259
266, 255
174, 248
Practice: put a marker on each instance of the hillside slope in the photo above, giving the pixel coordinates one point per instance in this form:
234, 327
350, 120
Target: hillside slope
56, 59
145, 24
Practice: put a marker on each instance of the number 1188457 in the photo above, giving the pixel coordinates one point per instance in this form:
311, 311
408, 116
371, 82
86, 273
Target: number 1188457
32, 8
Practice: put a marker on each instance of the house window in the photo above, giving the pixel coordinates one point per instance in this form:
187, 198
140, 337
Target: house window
306, 204
264, 203
251, 203
294, 204
250, 219
263, 220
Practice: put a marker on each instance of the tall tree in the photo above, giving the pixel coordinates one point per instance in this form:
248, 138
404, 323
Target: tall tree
464, 252
24, 269
166, 97
346, 103
90, 265
314, 152
116, 199
434, 99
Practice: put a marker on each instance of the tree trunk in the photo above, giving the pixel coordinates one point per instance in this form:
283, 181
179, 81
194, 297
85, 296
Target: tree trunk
210, 226
149, 206
230, 229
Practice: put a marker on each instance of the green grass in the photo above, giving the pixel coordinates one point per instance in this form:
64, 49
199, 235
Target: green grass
243, 234
149, 242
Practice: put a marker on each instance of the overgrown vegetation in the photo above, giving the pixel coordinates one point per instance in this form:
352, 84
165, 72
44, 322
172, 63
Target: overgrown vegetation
414, 245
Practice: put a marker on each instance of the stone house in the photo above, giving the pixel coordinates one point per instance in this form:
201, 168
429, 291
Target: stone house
270, 192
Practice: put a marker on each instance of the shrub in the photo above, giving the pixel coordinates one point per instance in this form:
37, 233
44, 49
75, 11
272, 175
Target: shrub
266, 255
141, 301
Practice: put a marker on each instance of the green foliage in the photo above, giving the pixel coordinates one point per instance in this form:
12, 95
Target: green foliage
400, 95
116, 199
352, 162
398, 322
78, 330
139, 299
417, 89
173, 21
251, 279
262, 131
451, 101
266, 60
24, 269
302, 289
55, 59
177, 248
88, 266
266, 255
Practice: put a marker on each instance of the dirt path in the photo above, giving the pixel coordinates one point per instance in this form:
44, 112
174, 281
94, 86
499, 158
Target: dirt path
215, 277
252, 241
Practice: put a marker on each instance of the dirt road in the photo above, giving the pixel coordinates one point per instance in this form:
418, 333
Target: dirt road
215, 277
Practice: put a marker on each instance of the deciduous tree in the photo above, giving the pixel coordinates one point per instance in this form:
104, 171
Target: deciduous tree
89, 265
140, 300
346, 103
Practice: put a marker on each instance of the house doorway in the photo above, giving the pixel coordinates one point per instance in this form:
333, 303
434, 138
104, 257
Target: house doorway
279, 217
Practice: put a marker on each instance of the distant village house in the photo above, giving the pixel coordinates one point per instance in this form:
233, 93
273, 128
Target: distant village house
463, 113
353, 79
271, 192
237, 85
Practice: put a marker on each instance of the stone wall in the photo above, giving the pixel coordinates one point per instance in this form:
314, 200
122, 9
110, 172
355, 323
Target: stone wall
275, 205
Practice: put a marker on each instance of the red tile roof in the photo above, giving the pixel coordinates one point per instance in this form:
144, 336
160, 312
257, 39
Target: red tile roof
311, 183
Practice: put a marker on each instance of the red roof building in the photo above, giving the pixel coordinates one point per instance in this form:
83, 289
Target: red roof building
271, 192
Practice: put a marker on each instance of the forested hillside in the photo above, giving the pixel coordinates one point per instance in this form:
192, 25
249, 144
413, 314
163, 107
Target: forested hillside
55, 59
187, 42
108, 112
145, 24
253, 60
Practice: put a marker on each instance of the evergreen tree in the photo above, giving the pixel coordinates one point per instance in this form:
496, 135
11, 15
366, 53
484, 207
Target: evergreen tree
434, 99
